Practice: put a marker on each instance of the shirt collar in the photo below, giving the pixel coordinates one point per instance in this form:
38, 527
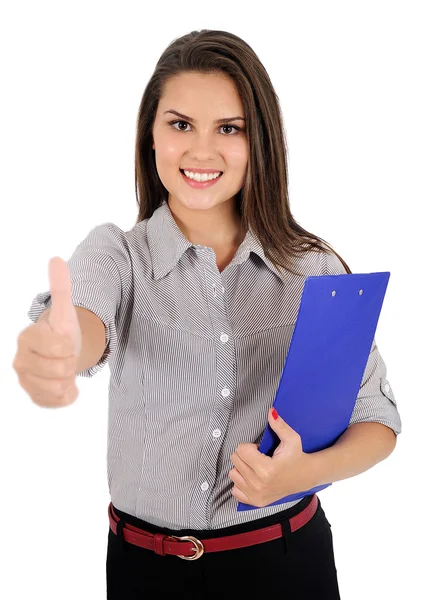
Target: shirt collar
167, 244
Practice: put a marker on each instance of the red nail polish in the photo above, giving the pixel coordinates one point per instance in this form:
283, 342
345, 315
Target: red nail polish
274, 413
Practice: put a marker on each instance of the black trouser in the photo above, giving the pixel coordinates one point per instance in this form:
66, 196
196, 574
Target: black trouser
299, 565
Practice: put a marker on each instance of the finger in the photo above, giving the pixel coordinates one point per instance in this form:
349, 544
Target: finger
250, 456
39, 339
240, 496
47, 367
246, 471
47, 390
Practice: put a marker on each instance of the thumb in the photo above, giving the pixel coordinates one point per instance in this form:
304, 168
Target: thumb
62, 317
279, 426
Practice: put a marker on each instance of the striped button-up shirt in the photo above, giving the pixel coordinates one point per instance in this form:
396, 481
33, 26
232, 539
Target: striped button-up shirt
195, 358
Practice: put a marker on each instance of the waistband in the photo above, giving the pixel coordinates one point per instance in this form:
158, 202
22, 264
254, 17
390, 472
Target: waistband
277, 517
180, 542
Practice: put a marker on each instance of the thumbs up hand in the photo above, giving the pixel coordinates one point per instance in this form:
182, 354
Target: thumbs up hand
46, 360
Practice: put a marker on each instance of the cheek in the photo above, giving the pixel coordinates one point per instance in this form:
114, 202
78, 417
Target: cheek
168, 148
237, 156
168, 160
169, 154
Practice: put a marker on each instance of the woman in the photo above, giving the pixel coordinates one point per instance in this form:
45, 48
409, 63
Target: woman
199, 301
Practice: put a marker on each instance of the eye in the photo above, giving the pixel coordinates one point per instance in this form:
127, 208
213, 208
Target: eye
174, 122
226, 125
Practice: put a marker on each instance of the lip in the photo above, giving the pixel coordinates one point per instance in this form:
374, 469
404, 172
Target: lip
201, 170
200, 184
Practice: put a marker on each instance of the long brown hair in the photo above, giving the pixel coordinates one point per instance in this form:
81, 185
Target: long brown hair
263, 201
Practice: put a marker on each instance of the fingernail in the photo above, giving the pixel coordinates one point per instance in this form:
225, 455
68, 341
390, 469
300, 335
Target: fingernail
274, 413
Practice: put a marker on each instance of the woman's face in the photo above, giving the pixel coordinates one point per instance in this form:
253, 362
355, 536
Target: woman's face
198, 141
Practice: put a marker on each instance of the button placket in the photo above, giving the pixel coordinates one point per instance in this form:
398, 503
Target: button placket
225, 356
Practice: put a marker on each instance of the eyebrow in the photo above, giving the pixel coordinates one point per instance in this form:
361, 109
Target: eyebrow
194, 121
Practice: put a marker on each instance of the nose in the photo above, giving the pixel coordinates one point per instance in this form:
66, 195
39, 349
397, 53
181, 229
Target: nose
203, 147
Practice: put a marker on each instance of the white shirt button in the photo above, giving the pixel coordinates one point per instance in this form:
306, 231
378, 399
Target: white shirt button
224, 338
204, 486
387, 388
223, 290
225, 392
217, 433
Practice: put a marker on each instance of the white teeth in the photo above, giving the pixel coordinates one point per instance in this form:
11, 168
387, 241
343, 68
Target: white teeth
201, 176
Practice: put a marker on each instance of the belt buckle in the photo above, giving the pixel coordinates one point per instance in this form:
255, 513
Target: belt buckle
199, 547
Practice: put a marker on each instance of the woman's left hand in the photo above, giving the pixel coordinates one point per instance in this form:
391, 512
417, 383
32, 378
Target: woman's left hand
260, 480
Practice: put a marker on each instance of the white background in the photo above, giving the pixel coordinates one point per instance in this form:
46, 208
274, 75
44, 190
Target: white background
348, 75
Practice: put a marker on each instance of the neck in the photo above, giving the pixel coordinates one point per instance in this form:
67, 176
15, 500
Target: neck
218, 230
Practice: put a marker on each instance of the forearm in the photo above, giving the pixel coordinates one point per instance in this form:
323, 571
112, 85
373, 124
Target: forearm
358, 449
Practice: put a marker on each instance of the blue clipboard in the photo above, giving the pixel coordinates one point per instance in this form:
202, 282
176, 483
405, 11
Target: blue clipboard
326, 360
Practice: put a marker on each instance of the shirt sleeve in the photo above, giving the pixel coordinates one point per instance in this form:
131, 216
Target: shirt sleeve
97, 269
375, 401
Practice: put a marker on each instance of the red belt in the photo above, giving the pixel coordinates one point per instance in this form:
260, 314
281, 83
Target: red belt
162, 544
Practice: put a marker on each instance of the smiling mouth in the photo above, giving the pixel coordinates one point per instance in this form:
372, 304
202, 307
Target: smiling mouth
220, 173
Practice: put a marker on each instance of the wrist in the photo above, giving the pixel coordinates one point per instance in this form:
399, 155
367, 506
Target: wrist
315, 470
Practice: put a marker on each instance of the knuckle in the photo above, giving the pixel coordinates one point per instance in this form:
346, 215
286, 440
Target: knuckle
59, 387
16, 364
70, 396
60, 369
71, 365
20, 361
44, 392
268, 477
255, 486
40, 399
265, 476
23, 383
